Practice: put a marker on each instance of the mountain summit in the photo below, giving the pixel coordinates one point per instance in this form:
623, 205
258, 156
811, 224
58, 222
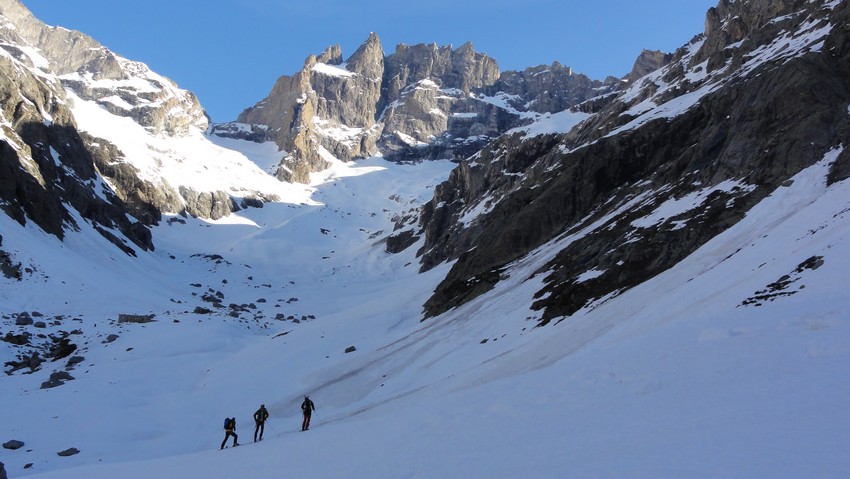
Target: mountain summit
420, 102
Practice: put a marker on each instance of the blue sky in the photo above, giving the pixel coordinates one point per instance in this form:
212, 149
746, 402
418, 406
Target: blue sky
230, 52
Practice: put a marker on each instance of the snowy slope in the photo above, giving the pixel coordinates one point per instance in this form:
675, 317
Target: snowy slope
674, 378
733, 363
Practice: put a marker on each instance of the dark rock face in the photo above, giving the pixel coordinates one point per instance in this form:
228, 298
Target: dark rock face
136, 318
589, 190
45, 164
8, 267
550, 88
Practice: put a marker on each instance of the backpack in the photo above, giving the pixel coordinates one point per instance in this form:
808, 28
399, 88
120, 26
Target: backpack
228, 423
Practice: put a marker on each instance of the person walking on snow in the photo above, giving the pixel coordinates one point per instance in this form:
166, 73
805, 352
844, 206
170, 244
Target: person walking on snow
260, 419
307, 407
230, 430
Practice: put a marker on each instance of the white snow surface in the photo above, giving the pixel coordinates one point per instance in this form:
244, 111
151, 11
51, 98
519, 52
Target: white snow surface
561, 122
676, 206
673, 378
194, 160
333, 70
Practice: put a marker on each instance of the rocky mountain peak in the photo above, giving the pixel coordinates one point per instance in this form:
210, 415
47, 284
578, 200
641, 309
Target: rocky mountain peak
463, 68
331, 56
548, 88
83, 64
648, 61
68, 51
743, 24
61, 166
368, 59
422, 101
372, 103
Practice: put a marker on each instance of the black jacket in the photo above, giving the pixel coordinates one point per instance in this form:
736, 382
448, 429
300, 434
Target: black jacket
261, 415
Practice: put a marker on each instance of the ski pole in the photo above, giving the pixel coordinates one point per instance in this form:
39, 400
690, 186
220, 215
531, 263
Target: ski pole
272, 428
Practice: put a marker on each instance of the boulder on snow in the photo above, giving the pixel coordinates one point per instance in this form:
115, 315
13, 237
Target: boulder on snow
69, 452
13, 444
16, 339
32, 362
62, 349
135, 318
74, 360
57, 378
350, 349
3, 471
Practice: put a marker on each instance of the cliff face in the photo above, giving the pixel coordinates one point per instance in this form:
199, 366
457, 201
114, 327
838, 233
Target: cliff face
123, 87
551, 88
420, 102
655, 171
47, 174
56, 173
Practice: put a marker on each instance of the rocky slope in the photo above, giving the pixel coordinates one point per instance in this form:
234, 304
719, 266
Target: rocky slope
122, 86
47, 173
689, 148
63, 97
691, 140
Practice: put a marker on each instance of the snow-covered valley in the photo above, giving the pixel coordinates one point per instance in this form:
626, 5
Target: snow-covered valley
675, 377
472, 273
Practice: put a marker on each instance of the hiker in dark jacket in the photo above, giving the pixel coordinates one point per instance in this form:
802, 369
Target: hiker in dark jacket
307, 407
260, 419
230, 430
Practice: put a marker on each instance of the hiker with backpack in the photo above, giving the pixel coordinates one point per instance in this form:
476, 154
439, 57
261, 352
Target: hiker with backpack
260, 419
307, 407
230, 430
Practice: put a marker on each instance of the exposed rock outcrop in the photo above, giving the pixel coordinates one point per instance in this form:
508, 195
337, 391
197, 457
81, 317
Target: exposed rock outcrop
420, 102
647, 62
729, 120
45, 166
49, 167
96, 73
550, 88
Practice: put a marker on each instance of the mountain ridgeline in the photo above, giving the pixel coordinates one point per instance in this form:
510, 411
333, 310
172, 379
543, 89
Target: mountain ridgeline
420, 102
654, 165
658, 169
